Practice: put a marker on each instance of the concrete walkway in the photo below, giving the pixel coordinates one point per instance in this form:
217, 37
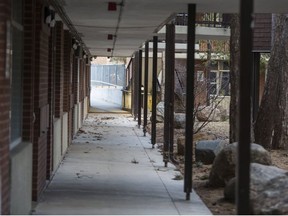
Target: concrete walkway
110, 168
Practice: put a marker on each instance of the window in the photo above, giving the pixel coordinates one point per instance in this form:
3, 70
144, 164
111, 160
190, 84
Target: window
213, 82
219, 78
224, 85
200, 76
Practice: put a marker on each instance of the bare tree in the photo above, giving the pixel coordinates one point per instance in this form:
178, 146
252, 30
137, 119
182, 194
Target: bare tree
272, 119
216, 96
234, 75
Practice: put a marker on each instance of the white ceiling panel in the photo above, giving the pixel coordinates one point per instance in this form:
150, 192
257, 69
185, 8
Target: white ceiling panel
140, 19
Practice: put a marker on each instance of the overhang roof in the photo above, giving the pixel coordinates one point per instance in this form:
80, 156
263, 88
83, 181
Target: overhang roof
139, 20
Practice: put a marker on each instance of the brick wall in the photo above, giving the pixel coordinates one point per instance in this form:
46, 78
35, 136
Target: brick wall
59, 69
262, 32
180, 81
67, 97
28, 69
81, 73
67, 90
51, 67
75, 79
4, 107
41, 80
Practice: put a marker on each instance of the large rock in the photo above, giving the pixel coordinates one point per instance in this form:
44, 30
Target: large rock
223, 168
273, 198
179, 120
230, 190
206, 150
160, 112
211, 113
198, 136
268, 189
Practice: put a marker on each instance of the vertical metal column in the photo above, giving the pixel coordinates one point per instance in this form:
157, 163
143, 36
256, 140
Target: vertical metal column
135, 89
189, 100
246, 65
154, 90
169, 71
140, 84
146, 87
256, 83
171, 76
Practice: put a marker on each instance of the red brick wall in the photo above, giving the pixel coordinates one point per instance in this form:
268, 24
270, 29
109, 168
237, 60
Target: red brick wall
180, 74
75, 79
67, 70
4, 109
50, 134
41, 80
262, 32
67, 93
29, 69
59, 69
81, 93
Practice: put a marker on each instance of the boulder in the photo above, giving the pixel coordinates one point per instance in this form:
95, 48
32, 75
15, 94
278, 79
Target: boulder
205, 156
261, 175
223, 168
206, 150
224, 113
272, 198
230, 190
268, 189
179, 120
160, 112
198, 136
211, 113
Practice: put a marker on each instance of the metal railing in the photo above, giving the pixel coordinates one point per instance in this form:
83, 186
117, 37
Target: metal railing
216, 20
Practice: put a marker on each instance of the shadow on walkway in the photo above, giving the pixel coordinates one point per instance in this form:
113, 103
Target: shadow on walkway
110, 168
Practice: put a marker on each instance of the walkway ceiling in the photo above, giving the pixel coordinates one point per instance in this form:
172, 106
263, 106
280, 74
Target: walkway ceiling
138, 20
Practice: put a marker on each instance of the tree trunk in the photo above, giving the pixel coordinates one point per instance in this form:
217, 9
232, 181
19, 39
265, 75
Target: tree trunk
271, 123
234, 76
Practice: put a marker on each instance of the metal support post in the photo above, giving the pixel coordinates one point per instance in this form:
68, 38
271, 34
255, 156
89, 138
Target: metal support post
135, 89
246, 66
146, 87
154, 91
171, 76
139, 88
189, 100
169, 70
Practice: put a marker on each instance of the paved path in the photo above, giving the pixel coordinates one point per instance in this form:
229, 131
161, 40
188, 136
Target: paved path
110, 168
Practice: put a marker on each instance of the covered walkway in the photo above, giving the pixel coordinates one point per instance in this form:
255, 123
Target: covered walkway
110, 168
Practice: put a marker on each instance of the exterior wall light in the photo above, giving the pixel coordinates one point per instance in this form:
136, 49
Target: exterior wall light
49, 17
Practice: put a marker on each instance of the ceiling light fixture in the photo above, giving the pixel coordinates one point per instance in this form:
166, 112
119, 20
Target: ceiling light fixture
112, 6
110, 37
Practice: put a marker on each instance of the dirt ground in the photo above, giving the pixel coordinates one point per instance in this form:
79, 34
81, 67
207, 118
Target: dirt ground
214, 197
